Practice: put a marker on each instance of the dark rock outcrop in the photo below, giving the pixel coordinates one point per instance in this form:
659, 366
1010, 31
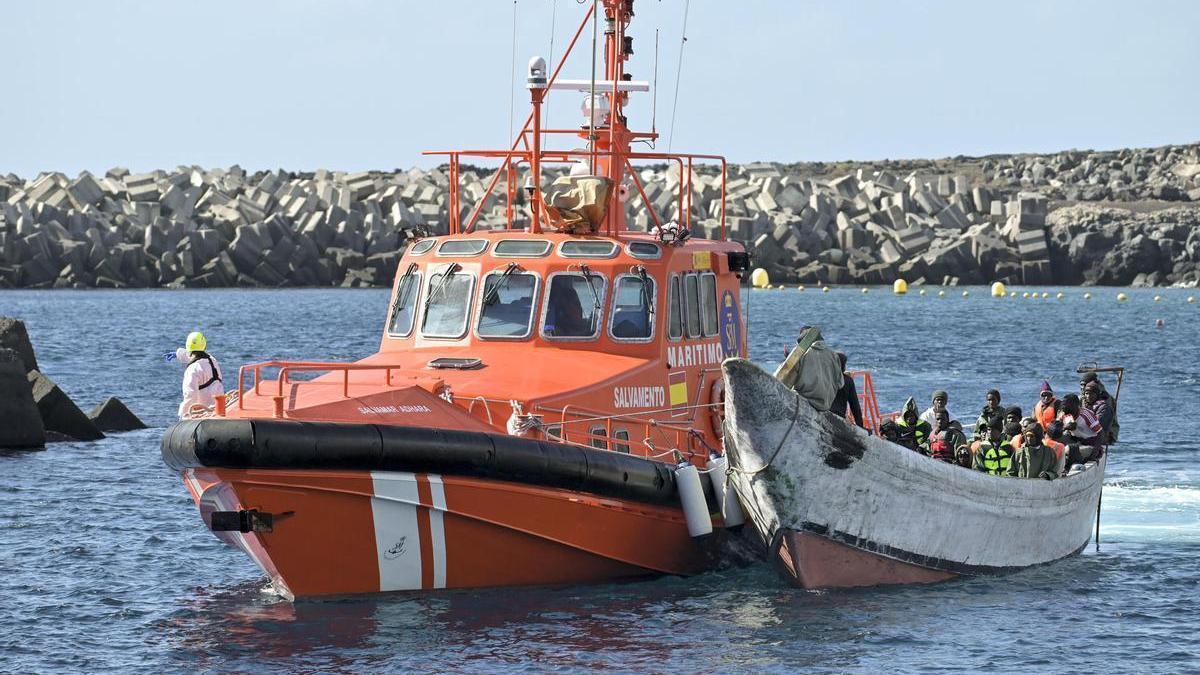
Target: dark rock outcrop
113, 415
20, 422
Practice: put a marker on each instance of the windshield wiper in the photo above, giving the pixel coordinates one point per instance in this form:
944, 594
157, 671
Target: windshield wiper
443, 284
493, 293
640, 271
401, 288
587, 274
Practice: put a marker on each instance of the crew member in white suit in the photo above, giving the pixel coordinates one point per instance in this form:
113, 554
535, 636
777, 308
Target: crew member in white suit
201, 377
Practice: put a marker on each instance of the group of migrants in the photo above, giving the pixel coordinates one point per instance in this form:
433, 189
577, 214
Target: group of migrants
1060, 434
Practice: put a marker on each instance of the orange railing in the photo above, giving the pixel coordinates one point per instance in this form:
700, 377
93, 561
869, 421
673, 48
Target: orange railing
286, 368
866, 399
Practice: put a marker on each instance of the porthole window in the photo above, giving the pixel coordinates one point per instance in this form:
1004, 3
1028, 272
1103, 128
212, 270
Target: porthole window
597, 437
621, 435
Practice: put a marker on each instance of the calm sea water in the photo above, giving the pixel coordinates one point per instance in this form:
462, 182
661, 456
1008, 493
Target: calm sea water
107, 566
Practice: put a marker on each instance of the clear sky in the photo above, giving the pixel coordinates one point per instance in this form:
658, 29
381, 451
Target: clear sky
356, 84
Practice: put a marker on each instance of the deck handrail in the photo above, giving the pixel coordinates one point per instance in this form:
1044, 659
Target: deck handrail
287, 367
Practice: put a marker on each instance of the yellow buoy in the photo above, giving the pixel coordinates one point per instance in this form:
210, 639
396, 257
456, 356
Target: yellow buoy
824, 289
899, 287
1087, 296
1191, 299
966, 294
1158, 298
1121, 297
1059, 296
1012, 294
941, 294
922, 291
800, 287
1045, 294
866, 290
1025, 294
998, 289
759, 278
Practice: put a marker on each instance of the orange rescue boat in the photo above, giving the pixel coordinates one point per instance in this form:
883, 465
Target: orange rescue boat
538, 385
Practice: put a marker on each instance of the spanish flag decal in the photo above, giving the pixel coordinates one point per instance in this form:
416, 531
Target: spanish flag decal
678, 392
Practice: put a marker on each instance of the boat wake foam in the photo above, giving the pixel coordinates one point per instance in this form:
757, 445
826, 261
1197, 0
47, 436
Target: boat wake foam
1150, 514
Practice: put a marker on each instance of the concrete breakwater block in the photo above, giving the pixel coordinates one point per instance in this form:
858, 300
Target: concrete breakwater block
113, 415
59, 413
14, 336
20, 422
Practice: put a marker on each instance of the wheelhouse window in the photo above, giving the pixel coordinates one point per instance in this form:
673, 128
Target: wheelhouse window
404, 307
447, 303
675, 310
462, 247
587, 249
574, 304
691, 294
421, 247
708, 304
506, 310
645, 250
521, 248
633, 307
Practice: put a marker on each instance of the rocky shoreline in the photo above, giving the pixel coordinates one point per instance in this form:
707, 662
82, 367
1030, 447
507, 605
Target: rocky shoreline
1123, 217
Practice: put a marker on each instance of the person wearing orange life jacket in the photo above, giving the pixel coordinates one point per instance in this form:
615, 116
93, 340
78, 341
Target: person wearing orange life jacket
1045, 410
202, 376
1053, 440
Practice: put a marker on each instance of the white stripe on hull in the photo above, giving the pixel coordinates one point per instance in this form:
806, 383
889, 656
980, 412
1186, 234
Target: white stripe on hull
437, 530
397, 530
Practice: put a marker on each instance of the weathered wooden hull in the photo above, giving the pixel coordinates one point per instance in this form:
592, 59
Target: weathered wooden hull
843, 508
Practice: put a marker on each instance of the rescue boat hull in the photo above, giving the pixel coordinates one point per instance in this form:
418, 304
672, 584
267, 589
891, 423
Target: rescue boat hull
842, 508
319, 531
335, 533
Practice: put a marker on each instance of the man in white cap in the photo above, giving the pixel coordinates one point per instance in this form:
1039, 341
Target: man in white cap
940, 399
202, 376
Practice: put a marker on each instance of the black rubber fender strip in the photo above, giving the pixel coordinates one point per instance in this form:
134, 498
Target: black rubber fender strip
279, 444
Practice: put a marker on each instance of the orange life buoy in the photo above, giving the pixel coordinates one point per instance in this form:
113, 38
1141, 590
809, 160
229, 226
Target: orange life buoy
716, 408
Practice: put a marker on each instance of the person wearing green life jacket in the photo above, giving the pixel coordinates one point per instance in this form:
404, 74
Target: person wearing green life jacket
1033, 459
914, 431
993, 455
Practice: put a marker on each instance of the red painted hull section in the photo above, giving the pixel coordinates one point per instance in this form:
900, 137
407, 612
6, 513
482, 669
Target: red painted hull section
477, 533
811, 561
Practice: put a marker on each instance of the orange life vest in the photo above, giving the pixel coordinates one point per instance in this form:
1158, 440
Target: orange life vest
1044, 414
1058, 448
